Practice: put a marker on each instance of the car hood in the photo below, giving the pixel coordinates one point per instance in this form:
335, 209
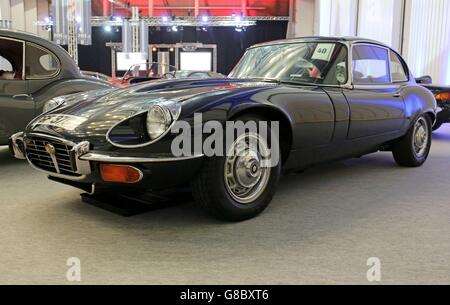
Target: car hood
92, 117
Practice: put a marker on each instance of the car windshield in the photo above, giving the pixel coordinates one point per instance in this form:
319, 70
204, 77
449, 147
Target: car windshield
320, 63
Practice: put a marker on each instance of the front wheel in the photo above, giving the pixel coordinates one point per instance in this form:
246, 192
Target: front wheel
241, 184
413, 149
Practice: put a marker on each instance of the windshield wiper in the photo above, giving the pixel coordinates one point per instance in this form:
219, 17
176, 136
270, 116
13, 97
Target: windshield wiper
265, 79
278, 81
293, 82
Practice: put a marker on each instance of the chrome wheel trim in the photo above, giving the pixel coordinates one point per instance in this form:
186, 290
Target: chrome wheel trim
245, 177
421, 136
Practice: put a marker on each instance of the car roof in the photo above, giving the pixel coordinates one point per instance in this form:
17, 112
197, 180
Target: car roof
68, 66
16, 34
349, 39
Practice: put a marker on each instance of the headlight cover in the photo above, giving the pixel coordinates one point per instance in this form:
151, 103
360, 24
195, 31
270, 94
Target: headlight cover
53, 104
158, 121
160, 118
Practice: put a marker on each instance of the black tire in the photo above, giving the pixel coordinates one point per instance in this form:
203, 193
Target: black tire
437, 125
404, 151
211, 193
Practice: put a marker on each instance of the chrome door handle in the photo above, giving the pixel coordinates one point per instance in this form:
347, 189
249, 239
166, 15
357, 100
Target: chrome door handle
397, 95
22, 96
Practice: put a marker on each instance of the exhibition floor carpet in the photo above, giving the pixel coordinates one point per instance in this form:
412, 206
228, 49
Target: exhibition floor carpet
321, 228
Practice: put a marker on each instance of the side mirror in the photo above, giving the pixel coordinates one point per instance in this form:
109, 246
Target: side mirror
424, 80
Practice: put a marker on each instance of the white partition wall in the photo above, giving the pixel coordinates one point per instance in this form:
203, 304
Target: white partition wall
381, 20
24, 14
427, 38
336, 17
5, 10
418, 29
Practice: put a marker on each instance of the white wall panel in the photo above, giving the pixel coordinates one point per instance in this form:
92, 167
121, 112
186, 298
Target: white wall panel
337, 17
5, 10
30, 11
25, 13
427, 38
381, 20
302, 18
18, 14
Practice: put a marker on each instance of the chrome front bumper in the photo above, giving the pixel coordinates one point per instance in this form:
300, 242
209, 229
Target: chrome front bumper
82, 156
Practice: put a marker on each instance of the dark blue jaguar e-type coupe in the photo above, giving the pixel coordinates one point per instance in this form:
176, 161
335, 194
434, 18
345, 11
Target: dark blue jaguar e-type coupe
333, 98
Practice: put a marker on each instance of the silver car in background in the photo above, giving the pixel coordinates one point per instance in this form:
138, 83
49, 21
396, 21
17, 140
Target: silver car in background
33, 71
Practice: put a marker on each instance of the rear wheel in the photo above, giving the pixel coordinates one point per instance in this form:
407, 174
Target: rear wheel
414, 148
240, 185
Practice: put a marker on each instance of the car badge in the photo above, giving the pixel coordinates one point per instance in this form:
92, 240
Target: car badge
50, 149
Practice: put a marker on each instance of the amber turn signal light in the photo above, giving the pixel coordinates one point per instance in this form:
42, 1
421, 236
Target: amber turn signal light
443, 96
120, 173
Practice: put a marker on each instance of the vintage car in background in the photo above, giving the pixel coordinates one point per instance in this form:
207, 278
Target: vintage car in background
333, 98
98, 75
192, 74
145, 72
442, 94
32, 71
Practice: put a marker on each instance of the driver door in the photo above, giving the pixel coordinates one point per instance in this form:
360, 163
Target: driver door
17, 108
376, 102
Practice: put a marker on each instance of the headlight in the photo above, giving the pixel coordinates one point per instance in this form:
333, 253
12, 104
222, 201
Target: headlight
52, 104
159, 120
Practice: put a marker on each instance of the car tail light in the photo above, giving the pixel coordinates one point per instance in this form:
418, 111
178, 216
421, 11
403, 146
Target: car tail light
120, 173
443, 96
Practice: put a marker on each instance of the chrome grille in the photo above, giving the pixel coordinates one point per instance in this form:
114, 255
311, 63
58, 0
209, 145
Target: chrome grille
59, 161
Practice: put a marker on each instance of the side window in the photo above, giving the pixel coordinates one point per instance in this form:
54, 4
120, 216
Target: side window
370, 65
40, 63
398, 73
11, 59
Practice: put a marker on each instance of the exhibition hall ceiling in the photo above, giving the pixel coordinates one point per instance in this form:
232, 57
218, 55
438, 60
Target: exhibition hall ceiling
187, 7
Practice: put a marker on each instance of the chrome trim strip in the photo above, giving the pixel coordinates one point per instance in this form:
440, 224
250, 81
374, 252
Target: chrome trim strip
102, 157
56, 73
93, 189
43, 135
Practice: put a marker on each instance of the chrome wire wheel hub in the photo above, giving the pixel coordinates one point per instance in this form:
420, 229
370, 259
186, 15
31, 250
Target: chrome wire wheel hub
420, 137
245, 176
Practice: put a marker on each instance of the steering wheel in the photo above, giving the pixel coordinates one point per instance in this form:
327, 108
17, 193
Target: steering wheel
303, 69
168, 75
